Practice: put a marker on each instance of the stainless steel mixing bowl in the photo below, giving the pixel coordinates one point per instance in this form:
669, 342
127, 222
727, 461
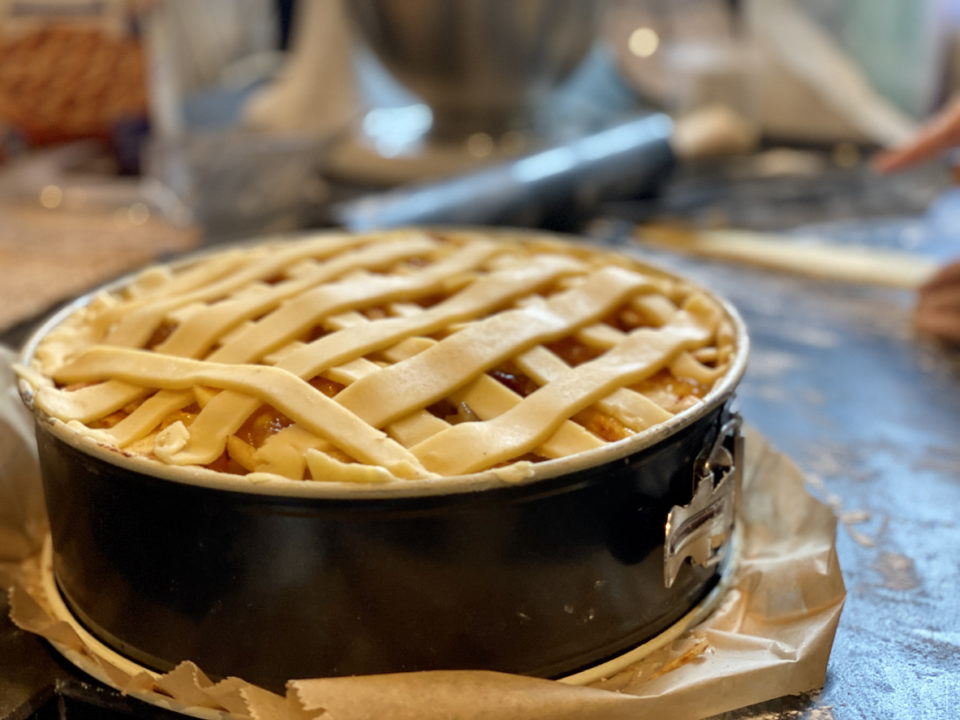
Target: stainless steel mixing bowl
481, 65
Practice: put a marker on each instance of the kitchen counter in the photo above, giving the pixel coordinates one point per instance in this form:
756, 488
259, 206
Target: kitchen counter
837, 381
871, 414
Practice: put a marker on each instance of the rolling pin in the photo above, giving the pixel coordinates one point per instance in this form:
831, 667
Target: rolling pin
553, 187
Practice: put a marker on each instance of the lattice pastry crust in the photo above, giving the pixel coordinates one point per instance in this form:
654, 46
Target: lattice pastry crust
372, 358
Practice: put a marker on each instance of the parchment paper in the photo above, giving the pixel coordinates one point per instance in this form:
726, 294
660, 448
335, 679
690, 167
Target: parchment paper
770, 636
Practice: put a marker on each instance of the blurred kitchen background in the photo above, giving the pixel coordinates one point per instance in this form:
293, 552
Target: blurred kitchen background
136, 129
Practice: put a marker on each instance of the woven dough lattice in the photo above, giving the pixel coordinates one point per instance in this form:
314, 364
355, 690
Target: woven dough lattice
375, 357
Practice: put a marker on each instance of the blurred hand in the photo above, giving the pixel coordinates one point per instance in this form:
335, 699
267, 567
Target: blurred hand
942, 133
937, 313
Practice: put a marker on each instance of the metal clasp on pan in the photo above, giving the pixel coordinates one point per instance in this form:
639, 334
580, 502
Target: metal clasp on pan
700, 530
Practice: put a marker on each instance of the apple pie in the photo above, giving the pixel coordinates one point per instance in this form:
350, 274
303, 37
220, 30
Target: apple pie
382, 357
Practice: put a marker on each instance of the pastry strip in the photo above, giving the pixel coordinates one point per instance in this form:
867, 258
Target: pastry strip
227, 412
92, 403
303, 312
631, 408
204, 328
311, 359
471, 447
434, 374
286, 392
138, 319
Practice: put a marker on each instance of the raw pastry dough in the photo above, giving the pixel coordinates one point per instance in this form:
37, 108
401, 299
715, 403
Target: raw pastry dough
367, 358
873, 266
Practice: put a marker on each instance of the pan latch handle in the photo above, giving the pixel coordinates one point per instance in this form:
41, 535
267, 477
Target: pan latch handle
700, 530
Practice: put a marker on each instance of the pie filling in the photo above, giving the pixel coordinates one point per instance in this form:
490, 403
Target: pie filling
371, 358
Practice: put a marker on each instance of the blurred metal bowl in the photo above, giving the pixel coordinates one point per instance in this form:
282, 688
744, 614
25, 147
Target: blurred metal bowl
481, 65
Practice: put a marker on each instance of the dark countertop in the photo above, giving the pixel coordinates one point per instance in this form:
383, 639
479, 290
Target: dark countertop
869, 412
839, 381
